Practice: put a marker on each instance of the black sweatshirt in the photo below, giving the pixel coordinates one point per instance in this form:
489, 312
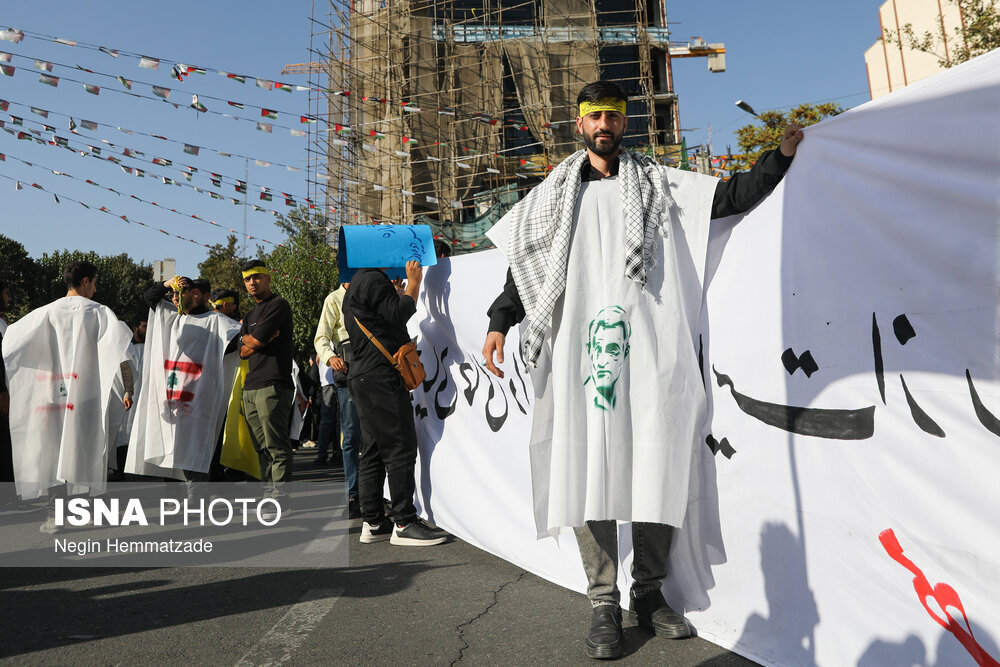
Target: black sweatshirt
373, 299
736, 195
272, 364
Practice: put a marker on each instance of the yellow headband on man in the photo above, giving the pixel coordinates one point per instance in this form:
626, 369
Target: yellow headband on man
607, 104
256, 269
225, 299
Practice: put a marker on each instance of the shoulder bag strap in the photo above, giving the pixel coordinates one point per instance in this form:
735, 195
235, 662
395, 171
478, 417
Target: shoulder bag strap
373, 339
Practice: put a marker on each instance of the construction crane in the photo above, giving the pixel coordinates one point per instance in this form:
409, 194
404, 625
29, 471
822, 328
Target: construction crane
697, 48
304, 68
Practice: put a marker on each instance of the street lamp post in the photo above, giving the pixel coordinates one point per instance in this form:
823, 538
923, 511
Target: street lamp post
746, 107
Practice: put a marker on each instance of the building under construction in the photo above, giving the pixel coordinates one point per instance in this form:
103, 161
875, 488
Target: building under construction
445, 112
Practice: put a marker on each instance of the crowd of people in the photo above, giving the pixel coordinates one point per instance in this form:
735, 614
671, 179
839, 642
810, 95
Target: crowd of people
619, 394
87, 398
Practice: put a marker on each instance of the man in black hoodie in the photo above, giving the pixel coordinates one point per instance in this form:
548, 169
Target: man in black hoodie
388, 435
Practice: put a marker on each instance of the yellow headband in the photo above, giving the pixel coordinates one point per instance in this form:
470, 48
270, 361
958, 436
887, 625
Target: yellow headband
607, 104
225, 299
256, 269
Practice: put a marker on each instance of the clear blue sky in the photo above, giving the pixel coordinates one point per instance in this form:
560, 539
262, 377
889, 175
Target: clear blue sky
779, 54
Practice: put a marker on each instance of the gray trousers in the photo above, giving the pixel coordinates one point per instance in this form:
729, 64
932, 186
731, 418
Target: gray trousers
268, 411
598, 542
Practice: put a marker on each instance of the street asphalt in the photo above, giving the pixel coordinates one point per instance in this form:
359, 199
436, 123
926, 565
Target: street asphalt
392, 605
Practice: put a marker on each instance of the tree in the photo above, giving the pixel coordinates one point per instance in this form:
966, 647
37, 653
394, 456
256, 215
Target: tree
223, 268
303, 271
120, 282
978, 33
755, 139
20, 272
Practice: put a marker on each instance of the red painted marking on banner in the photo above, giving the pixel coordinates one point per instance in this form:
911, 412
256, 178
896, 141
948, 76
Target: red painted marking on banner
54, 407
944, 595
182, 366
51, 377
183, 396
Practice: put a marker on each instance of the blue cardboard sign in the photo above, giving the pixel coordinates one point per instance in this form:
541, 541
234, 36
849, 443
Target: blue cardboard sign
383, 247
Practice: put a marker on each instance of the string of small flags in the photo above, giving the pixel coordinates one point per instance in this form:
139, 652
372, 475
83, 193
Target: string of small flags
266, 193
181, 71
19, 185
178, 70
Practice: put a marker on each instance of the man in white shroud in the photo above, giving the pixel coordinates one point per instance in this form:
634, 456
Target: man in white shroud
185, 386
62, 360
620, 400
120, 421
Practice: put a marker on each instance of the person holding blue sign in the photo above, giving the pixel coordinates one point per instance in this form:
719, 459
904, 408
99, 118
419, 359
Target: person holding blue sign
375, 312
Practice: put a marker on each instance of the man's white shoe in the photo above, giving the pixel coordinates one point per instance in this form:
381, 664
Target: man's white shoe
371, 534
50, 527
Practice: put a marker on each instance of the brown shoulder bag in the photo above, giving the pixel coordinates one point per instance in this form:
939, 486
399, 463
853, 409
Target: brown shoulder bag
406, 360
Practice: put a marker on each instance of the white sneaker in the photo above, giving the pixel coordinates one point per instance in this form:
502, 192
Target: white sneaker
379, 533
50, 527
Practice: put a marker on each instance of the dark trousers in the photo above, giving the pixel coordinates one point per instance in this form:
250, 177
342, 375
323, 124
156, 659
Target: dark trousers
598, 542
6, 451
329, 410
7, 493
388, 446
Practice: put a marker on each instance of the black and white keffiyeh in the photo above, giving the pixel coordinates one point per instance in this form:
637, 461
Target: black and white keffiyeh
540, 230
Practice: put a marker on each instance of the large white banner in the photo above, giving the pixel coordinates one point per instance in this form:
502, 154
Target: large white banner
845, 507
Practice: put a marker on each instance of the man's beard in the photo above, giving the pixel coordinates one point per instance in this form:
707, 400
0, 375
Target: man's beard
611, 149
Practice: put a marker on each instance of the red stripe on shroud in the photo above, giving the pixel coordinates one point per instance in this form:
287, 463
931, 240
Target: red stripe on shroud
183, 396
182, 366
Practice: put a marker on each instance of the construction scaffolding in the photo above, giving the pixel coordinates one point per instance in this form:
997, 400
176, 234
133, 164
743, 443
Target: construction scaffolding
446, 112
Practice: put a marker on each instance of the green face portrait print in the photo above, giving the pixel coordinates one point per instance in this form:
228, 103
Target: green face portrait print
607, 349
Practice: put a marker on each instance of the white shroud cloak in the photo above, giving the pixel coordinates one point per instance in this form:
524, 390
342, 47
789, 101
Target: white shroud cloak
119, 420
184, 388
623, 452
61, 362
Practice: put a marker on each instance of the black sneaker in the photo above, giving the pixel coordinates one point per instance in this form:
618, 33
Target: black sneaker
376, 533
353, 508
417, 533
320, 461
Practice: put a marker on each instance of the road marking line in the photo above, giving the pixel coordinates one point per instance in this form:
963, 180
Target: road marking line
278, 646
334, 536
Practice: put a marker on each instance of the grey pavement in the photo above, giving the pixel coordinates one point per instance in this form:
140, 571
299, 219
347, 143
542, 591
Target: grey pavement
392, 605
